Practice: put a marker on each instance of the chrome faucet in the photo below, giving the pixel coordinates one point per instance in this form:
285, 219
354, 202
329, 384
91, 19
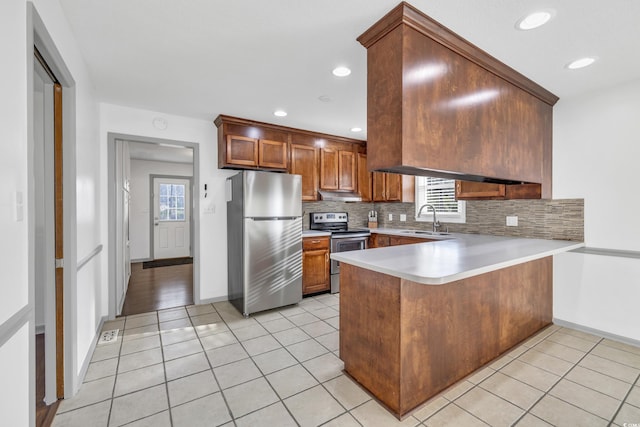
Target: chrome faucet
436, 223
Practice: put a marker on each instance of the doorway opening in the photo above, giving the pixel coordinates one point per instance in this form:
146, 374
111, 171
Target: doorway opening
154, 204
48, 239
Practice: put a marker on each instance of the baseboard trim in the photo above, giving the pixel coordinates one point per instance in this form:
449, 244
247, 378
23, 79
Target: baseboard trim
597, 332
213, 300
92, 348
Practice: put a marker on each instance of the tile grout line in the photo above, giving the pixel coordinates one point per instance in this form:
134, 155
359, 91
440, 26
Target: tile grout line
204, 352
546, 393
624, 400
281, 400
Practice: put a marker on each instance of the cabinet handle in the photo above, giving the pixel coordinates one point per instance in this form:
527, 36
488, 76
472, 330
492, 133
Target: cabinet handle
315, 241
326, 257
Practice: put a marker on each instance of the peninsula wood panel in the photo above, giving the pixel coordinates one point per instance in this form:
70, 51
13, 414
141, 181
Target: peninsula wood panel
406, 342
369, 338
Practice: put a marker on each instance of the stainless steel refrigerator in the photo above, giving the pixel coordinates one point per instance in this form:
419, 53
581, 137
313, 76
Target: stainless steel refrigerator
264, 240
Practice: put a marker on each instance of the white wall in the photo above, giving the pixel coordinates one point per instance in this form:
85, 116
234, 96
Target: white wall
16, 351
595, 157
213, 227
139, 231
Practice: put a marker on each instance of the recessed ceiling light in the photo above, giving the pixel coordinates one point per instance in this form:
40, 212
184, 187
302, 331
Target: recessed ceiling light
324, 98
535, 19
581, 63
280, 113
356, 129
341, 71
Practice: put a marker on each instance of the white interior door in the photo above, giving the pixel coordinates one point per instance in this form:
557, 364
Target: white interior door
172, 218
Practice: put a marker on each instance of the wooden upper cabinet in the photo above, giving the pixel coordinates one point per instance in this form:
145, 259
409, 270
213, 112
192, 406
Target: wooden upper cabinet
471, 116
466, 190
337, 169
304, 161
364, 178
246, 144
329, 161
242, 151
253, 152
273, 154
347, 170
392, 187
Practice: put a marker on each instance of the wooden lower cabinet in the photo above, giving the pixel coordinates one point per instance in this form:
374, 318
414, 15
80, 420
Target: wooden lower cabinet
382, 240
405, 341
315, 265
407, 240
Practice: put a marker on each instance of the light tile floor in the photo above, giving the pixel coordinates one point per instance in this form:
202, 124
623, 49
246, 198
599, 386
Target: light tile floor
206, 365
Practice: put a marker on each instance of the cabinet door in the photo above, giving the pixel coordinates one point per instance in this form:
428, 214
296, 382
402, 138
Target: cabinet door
393, 187
378, 187
329, 166
364, 178
315, 271
242, 151
379, 240
346, 170
304, 161
406, 240
273, 154
467, 190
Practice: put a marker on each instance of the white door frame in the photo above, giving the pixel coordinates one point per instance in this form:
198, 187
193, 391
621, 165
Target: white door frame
38, 35
195, 209
152, 209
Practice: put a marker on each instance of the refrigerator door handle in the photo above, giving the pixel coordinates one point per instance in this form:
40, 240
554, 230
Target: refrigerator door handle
274, 218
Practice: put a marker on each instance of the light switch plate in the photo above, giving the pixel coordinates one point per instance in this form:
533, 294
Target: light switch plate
403, 217
512, 221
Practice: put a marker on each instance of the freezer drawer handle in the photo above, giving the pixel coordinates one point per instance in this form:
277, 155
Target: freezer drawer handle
274, 218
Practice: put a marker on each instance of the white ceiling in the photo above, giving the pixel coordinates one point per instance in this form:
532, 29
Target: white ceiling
247, 58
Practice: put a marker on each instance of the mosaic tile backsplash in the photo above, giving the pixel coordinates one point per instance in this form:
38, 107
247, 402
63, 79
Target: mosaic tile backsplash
543, 219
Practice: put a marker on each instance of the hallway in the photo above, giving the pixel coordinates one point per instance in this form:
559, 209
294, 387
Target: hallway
158, 288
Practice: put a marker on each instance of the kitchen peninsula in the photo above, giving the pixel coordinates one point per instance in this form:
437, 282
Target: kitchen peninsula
417, 318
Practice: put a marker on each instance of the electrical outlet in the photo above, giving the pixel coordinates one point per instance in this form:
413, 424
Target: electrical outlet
403, 217
390, 217
512, 221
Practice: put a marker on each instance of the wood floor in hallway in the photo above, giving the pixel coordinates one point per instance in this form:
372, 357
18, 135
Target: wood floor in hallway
158, 288
44, 413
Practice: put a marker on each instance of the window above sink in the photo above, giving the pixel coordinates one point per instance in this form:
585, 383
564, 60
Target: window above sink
440, 193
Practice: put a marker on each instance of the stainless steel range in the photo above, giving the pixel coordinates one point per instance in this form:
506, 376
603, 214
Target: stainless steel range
343, 238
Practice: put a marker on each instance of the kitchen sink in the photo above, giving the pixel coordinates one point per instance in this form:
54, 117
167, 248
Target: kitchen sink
425, 233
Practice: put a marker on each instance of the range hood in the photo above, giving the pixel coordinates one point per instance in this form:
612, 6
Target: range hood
339, 196
439, 106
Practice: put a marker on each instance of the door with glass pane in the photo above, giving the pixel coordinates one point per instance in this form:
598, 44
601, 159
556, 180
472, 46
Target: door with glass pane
172, 214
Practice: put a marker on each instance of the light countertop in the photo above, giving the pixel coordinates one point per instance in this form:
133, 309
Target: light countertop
314, 233
454, 257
